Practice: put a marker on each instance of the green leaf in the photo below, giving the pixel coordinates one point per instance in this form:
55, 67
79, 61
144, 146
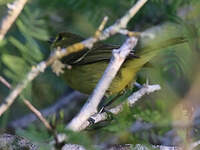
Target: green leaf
15, 64
3, 43
30, 50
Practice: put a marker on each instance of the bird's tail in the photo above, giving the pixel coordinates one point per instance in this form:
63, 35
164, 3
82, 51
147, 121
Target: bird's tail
145, 54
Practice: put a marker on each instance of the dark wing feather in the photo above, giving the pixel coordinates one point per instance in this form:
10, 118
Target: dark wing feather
99, 52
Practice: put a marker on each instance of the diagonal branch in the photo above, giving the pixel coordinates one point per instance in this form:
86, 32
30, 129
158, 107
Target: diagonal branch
2, 80
98, 117
30, 106
13, 12
38, 114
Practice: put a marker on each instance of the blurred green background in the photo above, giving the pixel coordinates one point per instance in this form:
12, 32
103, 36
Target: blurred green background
26, 44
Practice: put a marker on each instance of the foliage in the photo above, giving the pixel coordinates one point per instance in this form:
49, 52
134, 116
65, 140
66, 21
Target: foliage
27, 51
81, 138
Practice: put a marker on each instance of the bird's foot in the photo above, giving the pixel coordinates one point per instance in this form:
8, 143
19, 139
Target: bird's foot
91, 121
110, 114
132, 55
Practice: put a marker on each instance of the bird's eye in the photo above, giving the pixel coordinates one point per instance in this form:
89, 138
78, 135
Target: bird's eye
59, 38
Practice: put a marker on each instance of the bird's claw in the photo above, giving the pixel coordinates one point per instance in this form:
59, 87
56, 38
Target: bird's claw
91, 121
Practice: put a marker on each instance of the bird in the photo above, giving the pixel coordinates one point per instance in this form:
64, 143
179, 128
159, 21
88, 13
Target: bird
88, 65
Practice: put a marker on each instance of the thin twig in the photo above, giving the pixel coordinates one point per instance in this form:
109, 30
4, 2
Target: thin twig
30, 106
195, 144
6, 83
13, 12
101, 27
18, 89
38, 114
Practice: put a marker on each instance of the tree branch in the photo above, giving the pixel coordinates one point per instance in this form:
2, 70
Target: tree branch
98, 117
2, 80
38, 114
13, 12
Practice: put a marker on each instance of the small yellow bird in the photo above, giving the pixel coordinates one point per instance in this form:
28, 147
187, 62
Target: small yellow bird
88, 65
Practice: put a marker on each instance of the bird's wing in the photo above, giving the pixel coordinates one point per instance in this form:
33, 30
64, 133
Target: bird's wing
100, 52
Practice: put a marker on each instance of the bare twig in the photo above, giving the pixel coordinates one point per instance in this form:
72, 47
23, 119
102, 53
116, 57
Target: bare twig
11, 97
98, 117
129, 33
101, 27
38, 114
30, 106
195, 144
2, 80
13, 12
66, 51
